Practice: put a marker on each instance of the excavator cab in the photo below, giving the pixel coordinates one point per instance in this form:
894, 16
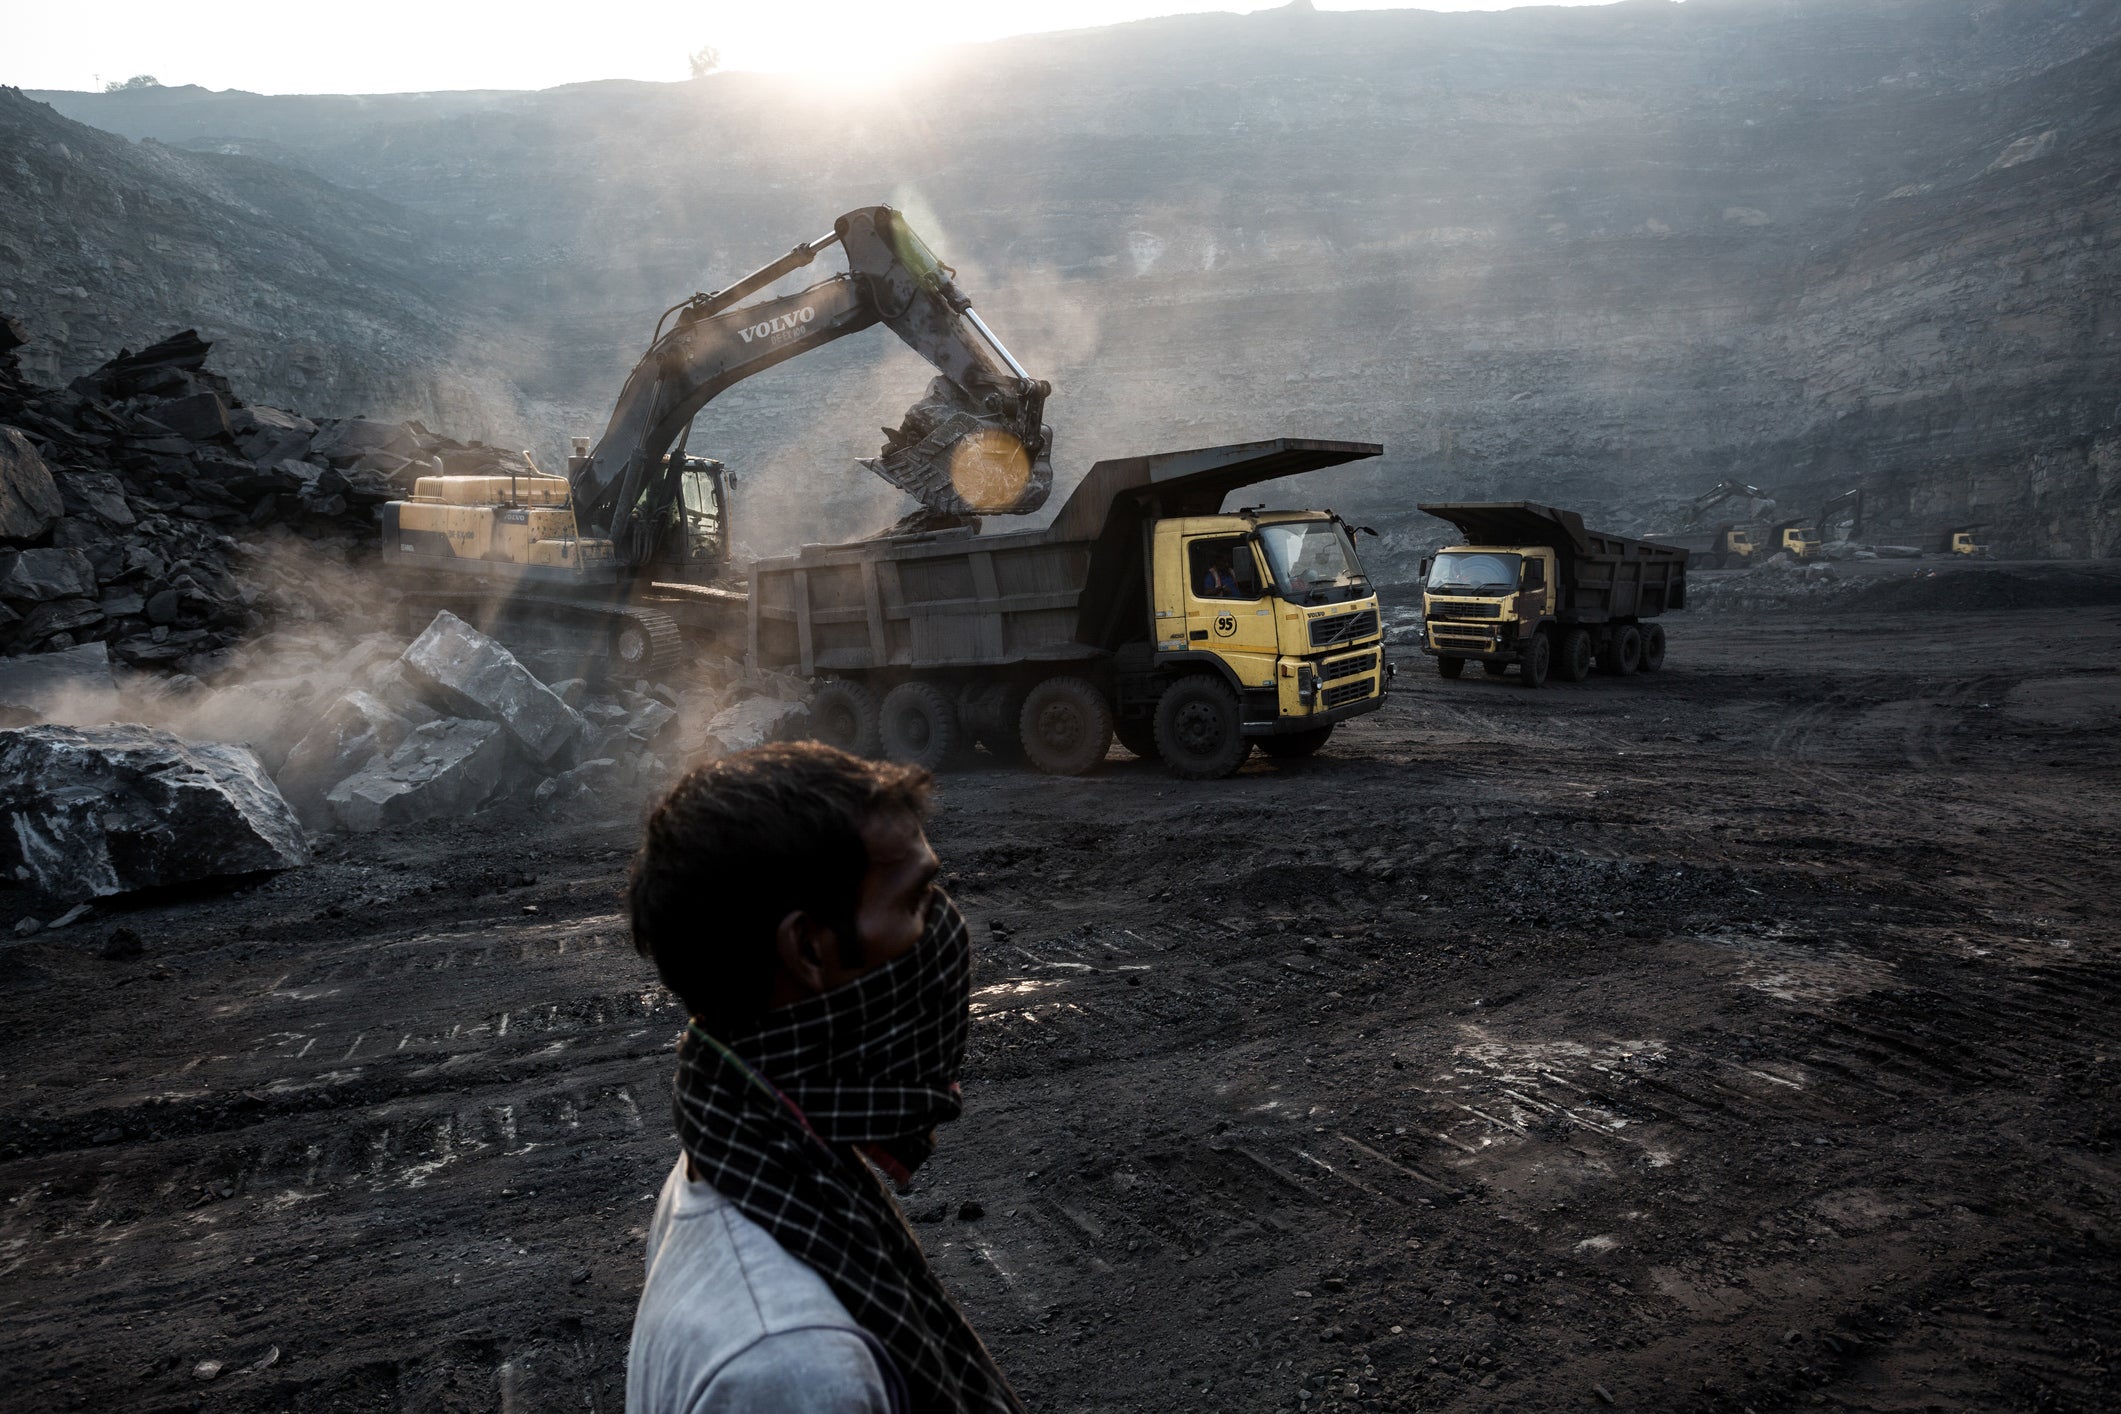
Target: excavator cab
692, 536
702, 493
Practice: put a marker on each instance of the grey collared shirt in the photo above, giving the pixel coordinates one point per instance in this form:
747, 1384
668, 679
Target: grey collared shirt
728, 1322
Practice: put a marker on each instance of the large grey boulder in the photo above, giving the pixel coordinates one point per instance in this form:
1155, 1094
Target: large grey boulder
201, 417
350, 733
86, 812
346, 442
471, 675
752, 722
444, 769
99, 494
34, 576
42, 683
29, 500
268, 435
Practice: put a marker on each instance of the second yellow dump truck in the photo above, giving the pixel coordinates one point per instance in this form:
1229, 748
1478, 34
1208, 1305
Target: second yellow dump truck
1531, 588
1145, 612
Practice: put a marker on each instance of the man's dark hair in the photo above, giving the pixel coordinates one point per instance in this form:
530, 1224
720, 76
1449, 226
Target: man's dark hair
742, 842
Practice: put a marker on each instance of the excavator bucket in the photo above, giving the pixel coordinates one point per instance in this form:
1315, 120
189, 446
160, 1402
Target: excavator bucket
957, 459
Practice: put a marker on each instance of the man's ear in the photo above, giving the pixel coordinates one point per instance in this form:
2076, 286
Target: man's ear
806, 950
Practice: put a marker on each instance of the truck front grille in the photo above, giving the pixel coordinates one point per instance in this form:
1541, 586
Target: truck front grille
1464, 611
1343, 628
1348, 667
1349, 692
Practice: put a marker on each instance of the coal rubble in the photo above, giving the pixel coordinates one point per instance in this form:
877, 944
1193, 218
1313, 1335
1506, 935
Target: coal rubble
142, 505
107, 810
173, 557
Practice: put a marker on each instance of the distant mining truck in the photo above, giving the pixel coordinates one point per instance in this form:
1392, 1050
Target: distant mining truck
1531, 587
1721, 547
1144, 612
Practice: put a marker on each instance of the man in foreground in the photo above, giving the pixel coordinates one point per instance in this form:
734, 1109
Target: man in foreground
787, 896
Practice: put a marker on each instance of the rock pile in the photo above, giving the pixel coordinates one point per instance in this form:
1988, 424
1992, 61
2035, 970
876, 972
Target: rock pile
382, 734
140, 507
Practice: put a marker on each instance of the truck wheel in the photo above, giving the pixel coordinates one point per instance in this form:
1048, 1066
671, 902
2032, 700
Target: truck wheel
1493, 667
1291, 746
843, 713
1065, 727
1138, 735
1450, 667
1199, 731
1573, 663
1653, 648
919, 726
1623, 652
1538, 657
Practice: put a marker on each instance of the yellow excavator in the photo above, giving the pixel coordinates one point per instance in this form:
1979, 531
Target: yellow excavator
630, 550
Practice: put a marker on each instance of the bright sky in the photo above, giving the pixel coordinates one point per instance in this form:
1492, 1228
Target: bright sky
395, 46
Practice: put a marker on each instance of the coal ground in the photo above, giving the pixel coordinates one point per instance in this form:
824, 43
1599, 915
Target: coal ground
1737, 1037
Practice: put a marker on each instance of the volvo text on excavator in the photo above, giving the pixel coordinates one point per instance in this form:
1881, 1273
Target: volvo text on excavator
631, 548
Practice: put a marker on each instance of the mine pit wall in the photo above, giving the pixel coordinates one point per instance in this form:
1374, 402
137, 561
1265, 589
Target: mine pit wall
1600, 275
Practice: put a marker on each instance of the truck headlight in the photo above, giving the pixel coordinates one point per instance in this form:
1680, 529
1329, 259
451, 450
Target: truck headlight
1306, 681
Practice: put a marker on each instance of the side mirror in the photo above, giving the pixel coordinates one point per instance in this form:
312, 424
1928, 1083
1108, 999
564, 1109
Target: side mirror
1425, 569
1366, 530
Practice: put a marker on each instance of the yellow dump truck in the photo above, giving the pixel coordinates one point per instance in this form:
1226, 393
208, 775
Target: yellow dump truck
1531, 588
1799, 542
1720, 547
1145, 611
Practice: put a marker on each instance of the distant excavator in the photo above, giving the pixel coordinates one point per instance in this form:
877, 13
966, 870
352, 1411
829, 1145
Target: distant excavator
631, 549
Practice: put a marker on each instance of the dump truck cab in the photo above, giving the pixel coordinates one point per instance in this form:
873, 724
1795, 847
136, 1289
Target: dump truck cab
1280, 602
1963, 543
1739, 543
1801, 542
1482, 601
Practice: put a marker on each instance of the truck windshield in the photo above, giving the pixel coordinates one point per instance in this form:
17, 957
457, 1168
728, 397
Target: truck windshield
1313, 562
1474, 572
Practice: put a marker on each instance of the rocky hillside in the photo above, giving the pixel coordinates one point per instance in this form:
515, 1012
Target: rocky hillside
1608, 255
318, 295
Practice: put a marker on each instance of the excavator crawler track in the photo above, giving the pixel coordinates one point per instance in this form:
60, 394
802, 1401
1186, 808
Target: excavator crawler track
618, 640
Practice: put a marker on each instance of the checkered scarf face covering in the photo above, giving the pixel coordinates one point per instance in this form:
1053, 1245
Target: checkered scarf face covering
773, 1119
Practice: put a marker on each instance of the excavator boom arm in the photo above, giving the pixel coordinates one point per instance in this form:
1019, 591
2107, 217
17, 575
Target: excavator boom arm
625, 482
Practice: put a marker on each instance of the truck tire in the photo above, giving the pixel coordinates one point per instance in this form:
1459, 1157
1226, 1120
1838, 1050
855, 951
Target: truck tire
1293, 746
1065, 727
1494, 667
1450, 667
1623, 652
919, 726
1538, 658
1137, 734
844, 713
1573, 662
1199, 728
1653, 648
